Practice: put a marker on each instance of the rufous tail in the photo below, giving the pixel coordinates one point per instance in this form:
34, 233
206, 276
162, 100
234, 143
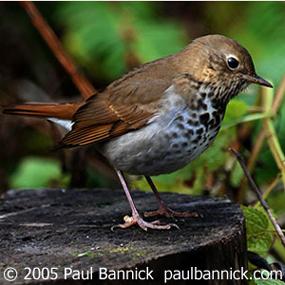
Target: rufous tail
45, 110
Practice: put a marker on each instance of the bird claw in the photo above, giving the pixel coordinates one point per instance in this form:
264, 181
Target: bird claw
169, 213
137, 220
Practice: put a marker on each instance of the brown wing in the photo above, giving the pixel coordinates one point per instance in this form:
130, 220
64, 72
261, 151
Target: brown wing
125, 105
99, 120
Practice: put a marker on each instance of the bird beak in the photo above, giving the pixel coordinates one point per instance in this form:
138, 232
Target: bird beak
257, 79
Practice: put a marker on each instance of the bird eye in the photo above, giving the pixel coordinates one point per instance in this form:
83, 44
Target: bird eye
232, 62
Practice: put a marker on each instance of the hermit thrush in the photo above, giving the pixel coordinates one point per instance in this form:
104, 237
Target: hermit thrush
159, 117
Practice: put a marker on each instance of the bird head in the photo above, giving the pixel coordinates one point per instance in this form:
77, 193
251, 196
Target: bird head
223, 64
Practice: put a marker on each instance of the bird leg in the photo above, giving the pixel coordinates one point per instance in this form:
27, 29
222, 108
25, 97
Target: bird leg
163, 210
136, 218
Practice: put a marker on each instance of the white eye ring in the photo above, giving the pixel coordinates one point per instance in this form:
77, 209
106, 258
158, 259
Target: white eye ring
232, 62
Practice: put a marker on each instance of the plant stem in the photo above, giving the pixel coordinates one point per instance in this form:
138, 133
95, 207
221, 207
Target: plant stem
274, 106
258, 193
271, 136
83, 85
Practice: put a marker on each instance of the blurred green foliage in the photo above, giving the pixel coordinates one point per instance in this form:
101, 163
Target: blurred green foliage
106, 36
262, 30
34, 172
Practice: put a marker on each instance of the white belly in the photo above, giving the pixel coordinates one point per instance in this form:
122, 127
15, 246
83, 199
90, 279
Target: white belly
167, 144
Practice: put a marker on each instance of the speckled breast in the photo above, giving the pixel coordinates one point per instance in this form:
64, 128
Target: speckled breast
170, 141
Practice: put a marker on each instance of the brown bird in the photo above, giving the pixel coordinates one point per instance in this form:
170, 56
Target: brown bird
159, 117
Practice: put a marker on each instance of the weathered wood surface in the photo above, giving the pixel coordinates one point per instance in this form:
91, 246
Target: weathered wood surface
72, 228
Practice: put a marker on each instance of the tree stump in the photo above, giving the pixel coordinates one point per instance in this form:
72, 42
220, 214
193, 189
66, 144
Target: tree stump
72, 229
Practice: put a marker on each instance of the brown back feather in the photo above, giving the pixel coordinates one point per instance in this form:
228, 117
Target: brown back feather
126, 105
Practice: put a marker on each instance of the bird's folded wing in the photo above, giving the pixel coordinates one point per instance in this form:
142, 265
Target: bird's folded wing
114, 112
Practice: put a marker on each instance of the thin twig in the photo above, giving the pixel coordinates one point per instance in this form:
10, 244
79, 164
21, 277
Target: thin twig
258, 193
83, 85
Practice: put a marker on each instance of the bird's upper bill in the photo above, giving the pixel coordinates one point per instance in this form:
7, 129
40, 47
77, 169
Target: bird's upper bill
256, 79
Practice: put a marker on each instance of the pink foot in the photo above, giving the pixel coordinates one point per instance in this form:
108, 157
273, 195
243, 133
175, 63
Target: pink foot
137, 220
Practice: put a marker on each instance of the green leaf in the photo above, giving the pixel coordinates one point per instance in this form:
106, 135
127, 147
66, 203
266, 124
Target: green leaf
259, 232
35, 172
